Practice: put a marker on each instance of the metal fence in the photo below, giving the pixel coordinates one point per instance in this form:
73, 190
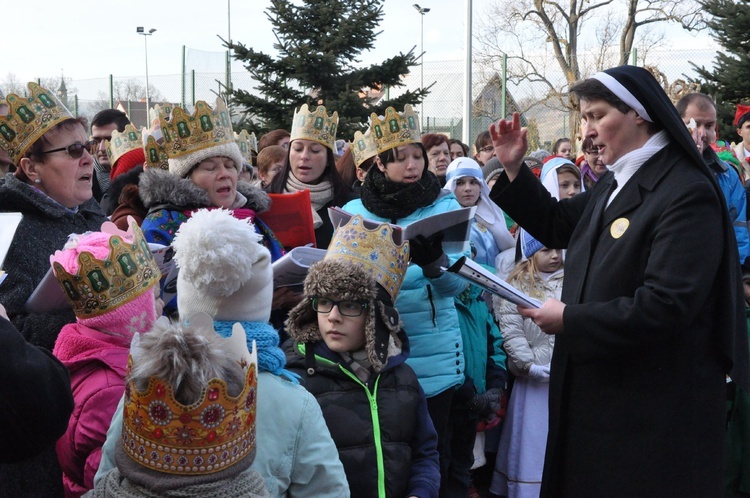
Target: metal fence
441, 111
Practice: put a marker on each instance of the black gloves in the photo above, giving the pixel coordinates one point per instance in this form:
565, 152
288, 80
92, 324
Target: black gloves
487, 403
427, 253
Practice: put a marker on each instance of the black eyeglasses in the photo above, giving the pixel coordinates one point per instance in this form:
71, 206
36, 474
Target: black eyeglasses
346, 308
592, 151
489, 148
75, 150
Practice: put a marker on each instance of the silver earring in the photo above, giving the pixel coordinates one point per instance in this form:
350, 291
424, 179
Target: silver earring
38, 180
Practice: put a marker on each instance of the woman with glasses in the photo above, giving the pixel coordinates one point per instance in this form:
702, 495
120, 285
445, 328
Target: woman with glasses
52, 188
349, 350
484, 148
592, 166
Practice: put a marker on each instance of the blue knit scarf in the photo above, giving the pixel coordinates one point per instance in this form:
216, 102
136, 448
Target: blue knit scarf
270, 356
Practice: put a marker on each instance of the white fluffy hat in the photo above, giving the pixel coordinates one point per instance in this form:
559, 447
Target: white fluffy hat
225, 270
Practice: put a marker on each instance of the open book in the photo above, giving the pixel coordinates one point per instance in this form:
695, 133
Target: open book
291, 269
478, 275
455, 226
8, 225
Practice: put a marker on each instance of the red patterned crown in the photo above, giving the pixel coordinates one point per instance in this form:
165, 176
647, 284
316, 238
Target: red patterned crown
205, 437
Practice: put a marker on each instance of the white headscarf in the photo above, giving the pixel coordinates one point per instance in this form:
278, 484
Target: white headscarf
488, 213
550, 181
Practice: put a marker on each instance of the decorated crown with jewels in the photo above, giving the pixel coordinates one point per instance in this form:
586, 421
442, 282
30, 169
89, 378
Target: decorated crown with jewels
121, 143
156, 111
247, 144
28, 119
100, 286
205, 437
185, 133
363, 147
316, 126
156, 155
396, 128
375, 247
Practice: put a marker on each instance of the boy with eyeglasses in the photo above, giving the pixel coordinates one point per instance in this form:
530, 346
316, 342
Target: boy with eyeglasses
350, 350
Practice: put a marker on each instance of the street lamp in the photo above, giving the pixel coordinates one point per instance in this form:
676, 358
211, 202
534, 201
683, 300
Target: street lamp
422, 11
142, 31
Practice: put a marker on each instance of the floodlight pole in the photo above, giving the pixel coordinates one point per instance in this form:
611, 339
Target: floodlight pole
141, 31
422, 11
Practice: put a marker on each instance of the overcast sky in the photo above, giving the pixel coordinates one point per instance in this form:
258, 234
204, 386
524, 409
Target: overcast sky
95, 38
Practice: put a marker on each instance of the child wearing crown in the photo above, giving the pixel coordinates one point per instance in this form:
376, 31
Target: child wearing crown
93, 269
226, 272
349, 347
191, 397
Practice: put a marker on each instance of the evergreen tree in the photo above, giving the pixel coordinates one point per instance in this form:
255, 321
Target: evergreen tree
319, 42
729, 80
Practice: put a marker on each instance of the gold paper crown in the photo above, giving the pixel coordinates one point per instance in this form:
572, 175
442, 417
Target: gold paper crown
375, 247
398, 128
208, 436
247, 144
156, 156
316, 126
121, 143
185, 134
99, 287
156, 111
28, 119
363, 147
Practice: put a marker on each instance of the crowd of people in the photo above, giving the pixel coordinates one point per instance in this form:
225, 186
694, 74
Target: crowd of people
382, 374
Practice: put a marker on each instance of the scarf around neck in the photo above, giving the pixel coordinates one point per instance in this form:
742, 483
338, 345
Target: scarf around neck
394, 200
320, 194
248, 483
270, 356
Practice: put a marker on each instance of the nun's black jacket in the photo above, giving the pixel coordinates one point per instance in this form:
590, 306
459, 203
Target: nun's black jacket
637, 389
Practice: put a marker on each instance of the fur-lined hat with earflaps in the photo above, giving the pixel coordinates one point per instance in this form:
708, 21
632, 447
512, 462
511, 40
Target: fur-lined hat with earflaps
348, 281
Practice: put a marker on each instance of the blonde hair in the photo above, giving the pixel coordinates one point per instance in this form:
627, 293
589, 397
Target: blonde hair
524, 275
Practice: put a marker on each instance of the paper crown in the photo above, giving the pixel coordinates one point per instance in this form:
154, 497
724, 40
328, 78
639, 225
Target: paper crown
363, 148
247, 144
743, 111
316, 126
203, 438
99, 287
375, 248
206, 127
29, 118
156, 155
397, 128
121, 143
156, 111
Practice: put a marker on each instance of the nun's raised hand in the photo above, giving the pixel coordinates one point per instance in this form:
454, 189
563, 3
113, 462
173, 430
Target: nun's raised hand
509, 140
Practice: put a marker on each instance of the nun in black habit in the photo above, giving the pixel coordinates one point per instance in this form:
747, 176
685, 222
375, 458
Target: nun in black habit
651, 318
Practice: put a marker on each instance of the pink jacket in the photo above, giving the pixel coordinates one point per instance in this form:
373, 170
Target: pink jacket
97, 364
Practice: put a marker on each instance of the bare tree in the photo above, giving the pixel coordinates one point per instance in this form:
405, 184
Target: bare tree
11, 84
133, 90
552, 44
